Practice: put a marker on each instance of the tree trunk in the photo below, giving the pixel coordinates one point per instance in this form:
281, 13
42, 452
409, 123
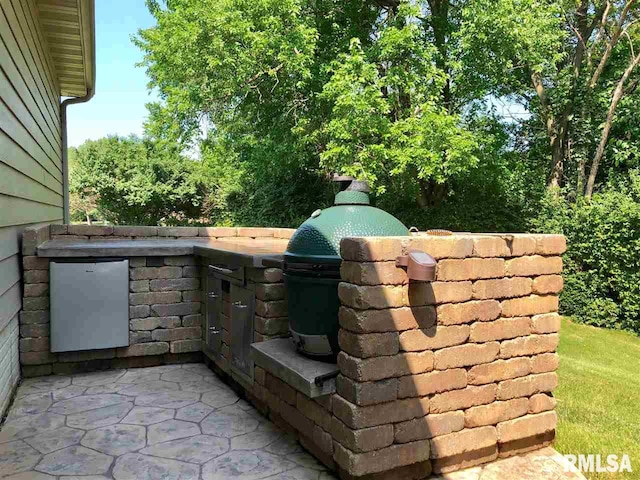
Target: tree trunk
557, 163
422, 195
615, 36
581, 176
558, 128
555, 132
431, 193
440, 26
559, 138
604, 137
558, 150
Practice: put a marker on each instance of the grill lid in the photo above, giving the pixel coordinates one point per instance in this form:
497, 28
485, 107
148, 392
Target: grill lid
317, 240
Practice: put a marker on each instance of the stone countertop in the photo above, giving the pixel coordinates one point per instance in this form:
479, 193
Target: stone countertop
241, 251
280, 358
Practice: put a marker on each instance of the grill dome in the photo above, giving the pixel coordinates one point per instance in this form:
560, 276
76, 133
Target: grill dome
317, 240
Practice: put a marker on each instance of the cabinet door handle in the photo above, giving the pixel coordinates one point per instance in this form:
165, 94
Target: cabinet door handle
224, 271
214, 330
239, 304
213, 295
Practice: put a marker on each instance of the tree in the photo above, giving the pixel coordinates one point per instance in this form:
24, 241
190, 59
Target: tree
316, 87
135, 181
83, 204
570, 63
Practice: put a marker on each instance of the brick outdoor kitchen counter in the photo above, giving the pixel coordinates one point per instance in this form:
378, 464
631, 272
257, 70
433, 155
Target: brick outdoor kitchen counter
431, 377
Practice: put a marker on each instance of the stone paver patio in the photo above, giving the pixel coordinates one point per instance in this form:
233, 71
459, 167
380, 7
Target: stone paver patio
173, 422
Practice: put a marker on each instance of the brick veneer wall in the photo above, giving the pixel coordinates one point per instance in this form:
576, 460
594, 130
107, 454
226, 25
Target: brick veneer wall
165, 323
444, 375
309, 419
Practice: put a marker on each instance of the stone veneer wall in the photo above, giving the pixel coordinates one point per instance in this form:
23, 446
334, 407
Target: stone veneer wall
9, 364
444, 375
165, 323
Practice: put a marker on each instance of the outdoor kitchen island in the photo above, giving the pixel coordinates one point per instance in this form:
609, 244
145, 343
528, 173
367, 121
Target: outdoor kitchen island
172, 312
431, 377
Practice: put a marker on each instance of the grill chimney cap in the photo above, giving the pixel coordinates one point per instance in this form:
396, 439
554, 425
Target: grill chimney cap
350, 184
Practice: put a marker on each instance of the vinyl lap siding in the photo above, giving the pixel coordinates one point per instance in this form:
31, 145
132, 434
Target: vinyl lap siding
30, 162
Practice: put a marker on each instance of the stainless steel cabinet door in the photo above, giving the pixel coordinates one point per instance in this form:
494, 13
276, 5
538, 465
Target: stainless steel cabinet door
242, 311
213, 334
89, 305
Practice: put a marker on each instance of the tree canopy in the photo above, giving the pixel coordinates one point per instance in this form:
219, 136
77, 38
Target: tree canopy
134, 181
398, 92
358, 87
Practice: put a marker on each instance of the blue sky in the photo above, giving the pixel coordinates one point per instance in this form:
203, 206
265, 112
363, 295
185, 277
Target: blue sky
118, 106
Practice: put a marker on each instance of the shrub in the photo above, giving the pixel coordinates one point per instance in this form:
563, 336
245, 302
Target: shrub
602, 263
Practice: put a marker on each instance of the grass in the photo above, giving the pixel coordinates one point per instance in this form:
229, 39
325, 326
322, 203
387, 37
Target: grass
599, 395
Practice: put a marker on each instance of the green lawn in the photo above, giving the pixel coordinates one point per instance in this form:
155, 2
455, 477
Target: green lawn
599, 394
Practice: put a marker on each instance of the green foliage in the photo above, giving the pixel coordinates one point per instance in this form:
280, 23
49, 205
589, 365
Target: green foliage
502, 42
420, 138
565, 62
501, 194
138, 182
307, 89
602, 263
239, 195
219, 57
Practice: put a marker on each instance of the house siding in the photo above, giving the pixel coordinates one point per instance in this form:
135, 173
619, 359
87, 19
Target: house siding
31, 179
